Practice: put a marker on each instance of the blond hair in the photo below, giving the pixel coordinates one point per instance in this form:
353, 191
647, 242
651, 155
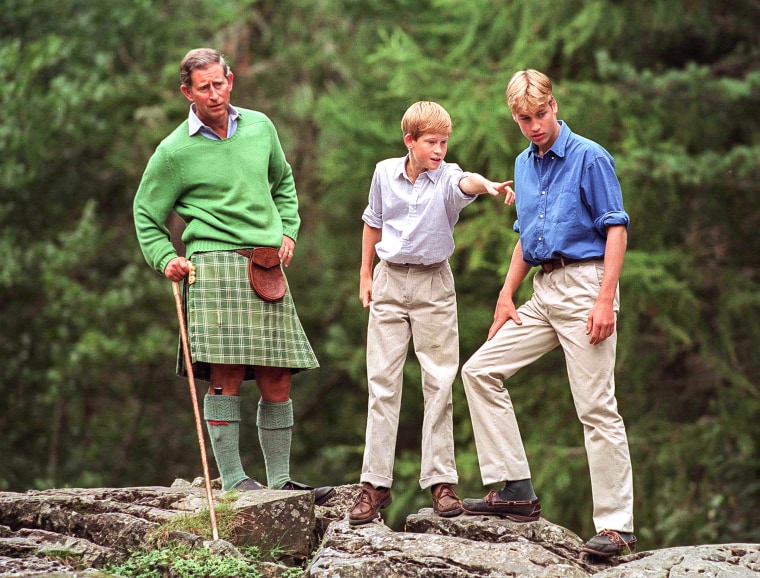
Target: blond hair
528, 90
425, 117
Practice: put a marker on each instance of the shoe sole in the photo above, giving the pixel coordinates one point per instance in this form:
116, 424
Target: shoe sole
383, 505
513, 517
607, 554
450, 513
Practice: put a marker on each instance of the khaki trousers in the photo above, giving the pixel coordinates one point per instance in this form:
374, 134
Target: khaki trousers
418, 302
556, 315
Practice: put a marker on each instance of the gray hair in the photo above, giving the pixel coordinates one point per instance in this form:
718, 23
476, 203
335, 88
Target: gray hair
197, 59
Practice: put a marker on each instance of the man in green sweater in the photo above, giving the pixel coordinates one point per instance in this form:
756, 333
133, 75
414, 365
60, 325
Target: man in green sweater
224, 172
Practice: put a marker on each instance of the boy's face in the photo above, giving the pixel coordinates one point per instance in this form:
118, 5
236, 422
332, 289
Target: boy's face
539, 126
427, 152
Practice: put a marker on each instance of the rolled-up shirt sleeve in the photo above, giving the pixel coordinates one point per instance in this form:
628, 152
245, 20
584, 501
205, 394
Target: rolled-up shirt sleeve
372, 218
602, 193
611, 219
373, 214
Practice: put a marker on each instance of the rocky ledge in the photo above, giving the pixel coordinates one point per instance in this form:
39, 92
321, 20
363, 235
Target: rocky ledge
98, 527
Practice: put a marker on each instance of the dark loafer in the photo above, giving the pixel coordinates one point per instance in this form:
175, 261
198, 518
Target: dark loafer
321, 495
609, 543
493, 505
247, 485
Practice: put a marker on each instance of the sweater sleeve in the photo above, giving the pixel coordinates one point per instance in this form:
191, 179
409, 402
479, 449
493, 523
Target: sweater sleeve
153, 202
283, 187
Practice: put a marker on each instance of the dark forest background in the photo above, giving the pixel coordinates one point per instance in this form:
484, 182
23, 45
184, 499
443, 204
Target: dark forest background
89, 334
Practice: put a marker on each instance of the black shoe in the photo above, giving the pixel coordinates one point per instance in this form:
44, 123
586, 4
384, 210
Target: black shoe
321, 495
609, 543
247, 485
493, 505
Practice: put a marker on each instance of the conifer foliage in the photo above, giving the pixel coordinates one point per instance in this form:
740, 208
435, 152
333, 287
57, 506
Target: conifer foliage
88, 337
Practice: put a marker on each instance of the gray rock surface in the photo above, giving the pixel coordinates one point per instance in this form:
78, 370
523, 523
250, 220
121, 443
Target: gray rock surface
375, 550
481, 546
70, 533
709, 561
54, 531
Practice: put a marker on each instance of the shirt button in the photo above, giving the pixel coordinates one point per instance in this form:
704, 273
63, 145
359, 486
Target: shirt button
543, 192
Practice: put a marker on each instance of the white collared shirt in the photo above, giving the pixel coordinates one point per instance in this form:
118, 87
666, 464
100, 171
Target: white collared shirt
417, 219
195, 124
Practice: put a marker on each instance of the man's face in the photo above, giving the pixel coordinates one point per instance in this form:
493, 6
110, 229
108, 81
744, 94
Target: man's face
210, 93
540, 126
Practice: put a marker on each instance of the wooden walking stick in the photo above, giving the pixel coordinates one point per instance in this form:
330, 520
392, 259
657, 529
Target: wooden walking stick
194, 397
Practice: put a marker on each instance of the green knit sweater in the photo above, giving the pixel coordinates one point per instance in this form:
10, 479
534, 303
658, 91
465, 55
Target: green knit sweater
232, 194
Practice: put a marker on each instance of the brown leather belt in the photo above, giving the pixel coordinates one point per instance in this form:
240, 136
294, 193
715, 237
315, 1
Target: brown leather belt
416, 265
554, 264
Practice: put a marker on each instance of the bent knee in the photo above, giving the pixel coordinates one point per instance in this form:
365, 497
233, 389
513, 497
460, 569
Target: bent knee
474, 373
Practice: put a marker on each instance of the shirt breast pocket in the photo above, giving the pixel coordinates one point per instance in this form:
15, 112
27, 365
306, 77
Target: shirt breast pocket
564, 209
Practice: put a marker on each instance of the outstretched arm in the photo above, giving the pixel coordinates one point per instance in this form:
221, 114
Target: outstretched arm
476, 184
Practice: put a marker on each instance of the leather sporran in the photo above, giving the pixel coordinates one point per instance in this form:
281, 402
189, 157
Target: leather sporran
265, 273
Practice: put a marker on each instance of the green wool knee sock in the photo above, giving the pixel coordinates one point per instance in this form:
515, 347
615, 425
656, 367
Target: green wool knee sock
222, 415
275, 421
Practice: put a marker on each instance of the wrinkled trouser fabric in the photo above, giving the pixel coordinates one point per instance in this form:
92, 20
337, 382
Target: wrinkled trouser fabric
417, 302
556, 315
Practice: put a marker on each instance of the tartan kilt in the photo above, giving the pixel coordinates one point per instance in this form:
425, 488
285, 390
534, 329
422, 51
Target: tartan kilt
228, 323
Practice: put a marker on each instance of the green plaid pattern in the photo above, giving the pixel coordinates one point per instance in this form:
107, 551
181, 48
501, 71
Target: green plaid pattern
228, 323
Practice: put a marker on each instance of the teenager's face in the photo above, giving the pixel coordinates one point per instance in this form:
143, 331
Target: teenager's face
210, 93
427, 152
540, 126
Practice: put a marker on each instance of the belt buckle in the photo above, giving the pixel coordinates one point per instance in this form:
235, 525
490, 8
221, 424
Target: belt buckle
553, 265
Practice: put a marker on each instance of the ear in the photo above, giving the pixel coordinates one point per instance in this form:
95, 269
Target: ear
230, 78
408, 140
187, 92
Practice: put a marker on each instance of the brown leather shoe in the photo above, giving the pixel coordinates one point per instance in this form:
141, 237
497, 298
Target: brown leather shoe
446, 503
368, 505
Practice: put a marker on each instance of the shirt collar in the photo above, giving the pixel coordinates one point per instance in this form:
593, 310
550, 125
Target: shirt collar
559, 145
195, 124
400, 171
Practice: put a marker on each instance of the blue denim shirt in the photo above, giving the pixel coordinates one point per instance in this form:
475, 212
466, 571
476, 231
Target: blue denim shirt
566, 199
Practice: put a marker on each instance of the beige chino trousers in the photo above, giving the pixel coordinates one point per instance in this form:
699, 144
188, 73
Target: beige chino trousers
556, 315
417, 302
